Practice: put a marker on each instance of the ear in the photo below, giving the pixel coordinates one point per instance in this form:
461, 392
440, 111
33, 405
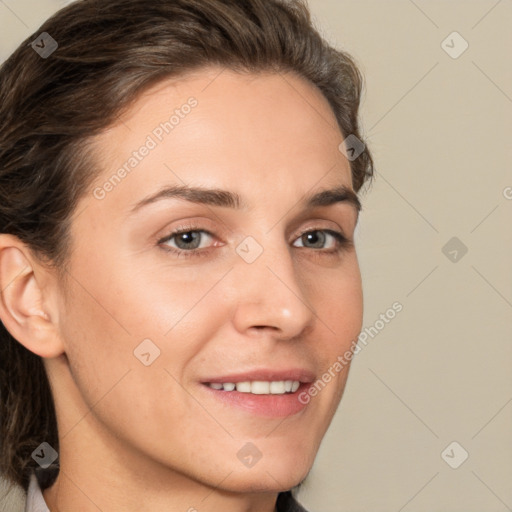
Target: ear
26, 307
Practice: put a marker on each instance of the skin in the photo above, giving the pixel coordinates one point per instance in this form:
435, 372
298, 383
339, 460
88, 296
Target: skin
150, 438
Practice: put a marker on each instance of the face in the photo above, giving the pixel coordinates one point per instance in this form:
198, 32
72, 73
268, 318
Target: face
262, 284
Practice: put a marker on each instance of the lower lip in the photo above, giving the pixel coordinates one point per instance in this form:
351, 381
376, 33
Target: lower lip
275, 406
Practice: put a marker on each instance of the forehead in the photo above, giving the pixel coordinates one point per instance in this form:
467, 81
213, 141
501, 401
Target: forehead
217, 126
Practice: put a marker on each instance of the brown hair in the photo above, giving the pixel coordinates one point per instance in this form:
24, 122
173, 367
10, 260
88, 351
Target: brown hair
50, 108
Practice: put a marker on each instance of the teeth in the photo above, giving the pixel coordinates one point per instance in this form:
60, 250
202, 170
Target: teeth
276, 387
259, 387
244, 387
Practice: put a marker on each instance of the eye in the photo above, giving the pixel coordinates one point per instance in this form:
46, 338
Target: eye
317, 238
187, 240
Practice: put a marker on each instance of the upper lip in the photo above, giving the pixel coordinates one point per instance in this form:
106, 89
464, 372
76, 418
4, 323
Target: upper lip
265, 374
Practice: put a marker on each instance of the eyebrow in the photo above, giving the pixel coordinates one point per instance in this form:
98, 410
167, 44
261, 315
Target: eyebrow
228, 199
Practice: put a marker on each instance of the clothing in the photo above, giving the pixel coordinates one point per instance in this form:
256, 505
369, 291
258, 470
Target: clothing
35, 500
43, 478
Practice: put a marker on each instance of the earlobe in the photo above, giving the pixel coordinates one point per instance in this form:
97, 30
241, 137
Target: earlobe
22, 300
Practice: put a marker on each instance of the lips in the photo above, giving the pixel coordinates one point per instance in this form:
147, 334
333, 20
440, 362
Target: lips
268, 405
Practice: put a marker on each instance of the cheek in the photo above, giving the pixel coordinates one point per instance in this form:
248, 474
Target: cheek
338, 302
103, 334
114, 317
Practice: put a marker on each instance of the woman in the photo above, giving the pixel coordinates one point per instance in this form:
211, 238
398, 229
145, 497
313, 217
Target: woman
178, 185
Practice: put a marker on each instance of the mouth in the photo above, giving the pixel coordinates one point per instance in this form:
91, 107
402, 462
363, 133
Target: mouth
263, 393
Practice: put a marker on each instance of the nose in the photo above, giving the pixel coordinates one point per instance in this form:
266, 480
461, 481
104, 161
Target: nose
271, 295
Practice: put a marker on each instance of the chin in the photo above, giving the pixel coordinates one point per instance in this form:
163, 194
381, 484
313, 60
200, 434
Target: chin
272, 476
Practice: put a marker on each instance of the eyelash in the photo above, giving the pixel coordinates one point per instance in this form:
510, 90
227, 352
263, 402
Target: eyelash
343, 242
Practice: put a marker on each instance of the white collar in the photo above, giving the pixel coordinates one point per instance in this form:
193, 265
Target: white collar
35, 500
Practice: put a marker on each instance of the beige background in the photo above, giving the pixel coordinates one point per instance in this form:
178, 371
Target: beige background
440, 371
